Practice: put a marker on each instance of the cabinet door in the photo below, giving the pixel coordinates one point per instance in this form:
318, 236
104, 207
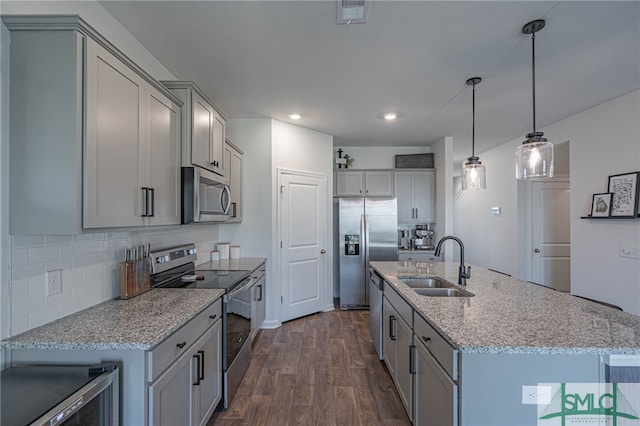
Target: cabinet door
436, 395
171, 396
349, 184
217, 144
164, 159
424, 191
258, 307
209, 389
201, 132
404, 376
114, 116
389, 336
233, 170
403, 189
378, 184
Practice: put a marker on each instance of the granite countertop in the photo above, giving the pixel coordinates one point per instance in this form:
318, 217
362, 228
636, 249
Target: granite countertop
241, 264
507, 315
140, 323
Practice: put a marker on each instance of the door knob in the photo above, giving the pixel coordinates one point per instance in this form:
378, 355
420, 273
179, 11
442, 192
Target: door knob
323, 251
536, 250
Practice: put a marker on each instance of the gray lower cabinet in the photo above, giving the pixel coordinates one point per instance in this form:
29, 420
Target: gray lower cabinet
397, 344
436, 370
258, 300
436, 395
191, 387
105, 129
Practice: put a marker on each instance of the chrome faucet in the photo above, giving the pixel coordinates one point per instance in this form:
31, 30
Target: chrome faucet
463, 273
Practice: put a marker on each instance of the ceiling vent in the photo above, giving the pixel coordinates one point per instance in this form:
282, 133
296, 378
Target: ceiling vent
352, 11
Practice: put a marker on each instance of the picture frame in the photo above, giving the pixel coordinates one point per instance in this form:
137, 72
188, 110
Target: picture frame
601, 205
624, 190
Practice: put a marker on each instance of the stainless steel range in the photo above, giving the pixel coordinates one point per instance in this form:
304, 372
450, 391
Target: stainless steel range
174, 267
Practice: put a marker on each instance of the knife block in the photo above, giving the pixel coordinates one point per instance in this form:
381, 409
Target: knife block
135, 278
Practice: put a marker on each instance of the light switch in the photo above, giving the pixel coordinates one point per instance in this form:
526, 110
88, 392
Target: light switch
630, 252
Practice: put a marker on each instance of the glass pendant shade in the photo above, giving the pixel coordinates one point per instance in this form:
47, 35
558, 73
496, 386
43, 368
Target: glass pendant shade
534, 158
474, 174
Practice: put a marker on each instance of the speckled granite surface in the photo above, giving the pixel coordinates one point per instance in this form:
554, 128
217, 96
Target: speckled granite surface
507, 315
135, 324
241, 264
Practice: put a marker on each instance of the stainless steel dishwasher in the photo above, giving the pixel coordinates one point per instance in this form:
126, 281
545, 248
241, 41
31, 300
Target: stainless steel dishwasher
375, 310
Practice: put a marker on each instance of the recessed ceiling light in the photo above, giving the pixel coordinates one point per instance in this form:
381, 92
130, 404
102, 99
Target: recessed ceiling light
295, 116
390, 116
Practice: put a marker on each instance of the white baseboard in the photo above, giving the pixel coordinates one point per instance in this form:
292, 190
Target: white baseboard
271, 324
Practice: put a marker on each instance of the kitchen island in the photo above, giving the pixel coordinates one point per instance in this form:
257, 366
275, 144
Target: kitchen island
492, 355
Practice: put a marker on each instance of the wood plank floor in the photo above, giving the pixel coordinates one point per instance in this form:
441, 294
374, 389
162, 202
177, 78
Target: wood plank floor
317, 370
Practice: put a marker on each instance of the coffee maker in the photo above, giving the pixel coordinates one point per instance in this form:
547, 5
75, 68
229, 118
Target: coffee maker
424, 237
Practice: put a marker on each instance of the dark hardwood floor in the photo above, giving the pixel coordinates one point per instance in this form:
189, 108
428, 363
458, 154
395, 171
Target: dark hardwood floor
317, 370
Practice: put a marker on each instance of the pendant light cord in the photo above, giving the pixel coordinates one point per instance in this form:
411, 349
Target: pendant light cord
473, 123
533, 76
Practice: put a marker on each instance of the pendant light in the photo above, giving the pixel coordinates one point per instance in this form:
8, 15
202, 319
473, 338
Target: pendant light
474, 173
534, 158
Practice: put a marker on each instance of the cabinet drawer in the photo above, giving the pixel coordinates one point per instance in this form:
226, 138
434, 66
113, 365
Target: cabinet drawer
400, 305
442, 351
169, 350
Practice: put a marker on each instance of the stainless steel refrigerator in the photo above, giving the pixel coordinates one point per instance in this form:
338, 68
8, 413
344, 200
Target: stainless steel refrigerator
368, 231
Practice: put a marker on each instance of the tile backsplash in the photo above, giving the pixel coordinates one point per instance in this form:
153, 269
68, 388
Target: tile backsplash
89, 265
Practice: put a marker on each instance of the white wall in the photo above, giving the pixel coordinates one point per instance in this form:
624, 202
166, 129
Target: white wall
299, 149
269, 145
603, 141
379, 157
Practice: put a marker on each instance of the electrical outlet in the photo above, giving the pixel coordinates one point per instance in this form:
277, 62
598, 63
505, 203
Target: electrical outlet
54, 282
536, 394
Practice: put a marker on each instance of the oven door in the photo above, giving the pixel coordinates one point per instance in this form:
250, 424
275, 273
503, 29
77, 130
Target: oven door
236, 337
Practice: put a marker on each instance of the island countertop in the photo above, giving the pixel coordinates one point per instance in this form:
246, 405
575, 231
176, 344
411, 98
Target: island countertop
135, 324
508, 315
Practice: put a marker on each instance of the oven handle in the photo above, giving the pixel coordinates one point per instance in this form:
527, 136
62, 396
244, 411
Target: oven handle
242, 287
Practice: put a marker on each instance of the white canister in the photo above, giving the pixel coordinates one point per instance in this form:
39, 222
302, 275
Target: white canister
234, 252
215, 255
223, 248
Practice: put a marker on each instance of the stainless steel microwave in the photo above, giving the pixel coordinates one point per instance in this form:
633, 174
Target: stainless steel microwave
204, 198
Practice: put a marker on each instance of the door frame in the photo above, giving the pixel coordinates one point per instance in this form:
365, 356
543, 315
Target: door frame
277, 252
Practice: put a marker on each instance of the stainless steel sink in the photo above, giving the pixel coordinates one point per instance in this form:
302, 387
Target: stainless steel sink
443, 292
429, 282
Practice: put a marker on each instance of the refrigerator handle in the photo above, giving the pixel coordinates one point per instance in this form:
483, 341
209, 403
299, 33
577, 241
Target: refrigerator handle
366, 242
363, 243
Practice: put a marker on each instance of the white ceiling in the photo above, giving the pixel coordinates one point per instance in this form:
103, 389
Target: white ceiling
267, 59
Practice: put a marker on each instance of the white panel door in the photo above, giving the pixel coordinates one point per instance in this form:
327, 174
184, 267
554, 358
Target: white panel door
303, 227
550, 253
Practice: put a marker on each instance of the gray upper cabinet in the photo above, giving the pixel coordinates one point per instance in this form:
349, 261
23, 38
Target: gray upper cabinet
104, 150
371, 183
416, 193
233, 170
203, 133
